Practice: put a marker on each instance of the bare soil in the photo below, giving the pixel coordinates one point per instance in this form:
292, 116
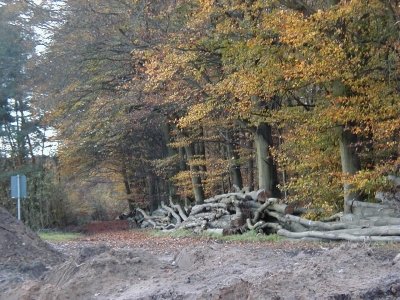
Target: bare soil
135, 265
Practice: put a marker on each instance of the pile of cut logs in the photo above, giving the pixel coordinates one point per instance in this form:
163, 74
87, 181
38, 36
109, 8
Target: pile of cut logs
235, 213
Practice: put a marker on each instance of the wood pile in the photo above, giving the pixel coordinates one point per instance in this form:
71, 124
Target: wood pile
236, 213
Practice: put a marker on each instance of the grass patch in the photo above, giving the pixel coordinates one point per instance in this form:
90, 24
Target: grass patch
58, 236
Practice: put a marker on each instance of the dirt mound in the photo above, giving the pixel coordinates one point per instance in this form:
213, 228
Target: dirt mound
213, 269
23, 255
21, 248
221, 271
96, 272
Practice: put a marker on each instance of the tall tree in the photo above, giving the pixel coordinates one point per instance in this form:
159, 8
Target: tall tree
345, 58
21, 134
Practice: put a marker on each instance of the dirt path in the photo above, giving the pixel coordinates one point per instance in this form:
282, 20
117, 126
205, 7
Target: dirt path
134, 265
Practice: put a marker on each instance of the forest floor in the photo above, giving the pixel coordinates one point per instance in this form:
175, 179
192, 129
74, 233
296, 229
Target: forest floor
135, 264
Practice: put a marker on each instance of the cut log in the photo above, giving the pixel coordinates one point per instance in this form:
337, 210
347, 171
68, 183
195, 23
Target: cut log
239, 196
173, 213
366, 209
285, 222
209, 216
206, 207
160, 212
147, 217
260, 195
372, 231
181, 212
250, 226
223, 222
236, 189
238, 212
379, 221
317, 224
337, 236
237, 218
274, 226
200, 223
168, 227
260, 210
254, 195
369, 222
335, 217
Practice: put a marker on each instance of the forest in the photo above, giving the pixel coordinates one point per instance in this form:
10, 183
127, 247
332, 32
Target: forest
112, 106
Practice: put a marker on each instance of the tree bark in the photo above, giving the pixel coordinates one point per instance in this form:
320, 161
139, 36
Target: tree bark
200, 151
348, 156
251, 167
151, 191
234, 165
350, 164
127, 186
171, 152
267, 173
182, 162
195, 176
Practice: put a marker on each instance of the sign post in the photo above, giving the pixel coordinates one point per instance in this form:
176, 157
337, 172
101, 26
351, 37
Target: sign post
18, 190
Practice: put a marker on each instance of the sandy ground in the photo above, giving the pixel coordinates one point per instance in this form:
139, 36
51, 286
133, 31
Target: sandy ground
134, 265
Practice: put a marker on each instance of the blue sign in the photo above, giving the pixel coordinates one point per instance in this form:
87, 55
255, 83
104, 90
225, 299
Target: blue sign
18, 186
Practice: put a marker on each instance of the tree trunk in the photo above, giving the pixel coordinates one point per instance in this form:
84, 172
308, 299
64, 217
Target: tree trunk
234, 165
348, 156
195, 175
267, 173
171, 152
182, 162
200, 151
151, 191
350, 165
251, 168
128, 190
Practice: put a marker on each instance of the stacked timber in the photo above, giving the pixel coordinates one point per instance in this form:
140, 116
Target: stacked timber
235, 213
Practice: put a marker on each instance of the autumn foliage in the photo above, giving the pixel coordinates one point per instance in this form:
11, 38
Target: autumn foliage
184, 99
